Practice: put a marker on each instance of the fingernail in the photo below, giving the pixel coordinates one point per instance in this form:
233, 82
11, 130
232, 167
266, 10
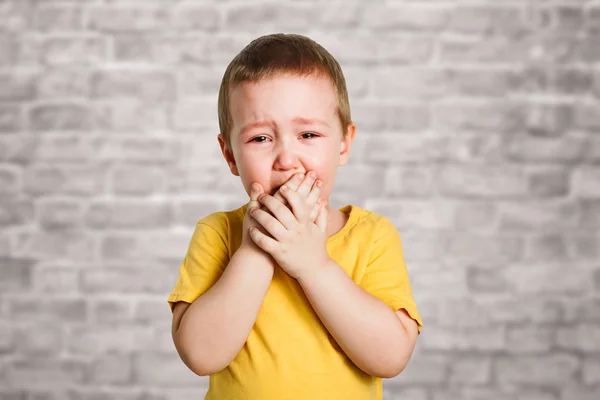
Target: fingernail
300, 175
254, 188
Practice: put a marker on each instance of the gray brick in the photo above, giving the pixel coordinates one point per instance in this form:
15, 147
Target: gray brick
553, 370
482, 181
420, 245
136, 180
148, 86
583, 337
67, 310
108, 393
98, 340
586, 116
530, 339
18, 148
572, 80
195, 114
593, 153
269, 16
17, 86
197, 391
163, 369
64, 147
199, 80
15, 212
60, 117
414, 83
568, 19
585, 246
403, 393
109, 311
59, 213
15, 16
546, 279
16, 274
75, 246
486, 339
549, 181
409, 214
111, 369
56, 279
590, 213
8, 50
42, 342
471, 370
46, 371
547, 247
474, 215
73, 51
53, 18
10, 180
483, 249
188, 212
128, 281
579, 393
137, 150
538, 215
591, 370
63, 82
531, 149
10, 118
486, 281
586, 181
386, 147
375, 117
548, 120
406, 181
424, 369
196, 17
458, 50
406, 18
486, 20
491, 116
128, 214
60, 179
557, 48
331, 15
152, 311
131, 115
128, 18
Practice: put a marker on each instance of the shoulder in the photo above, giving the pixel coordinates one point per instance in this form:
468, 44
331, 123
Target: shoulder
221, 223
372, 223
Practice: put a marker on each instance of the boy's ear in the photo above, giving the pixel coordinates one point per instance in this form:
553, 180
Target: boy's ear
347, 143
228, 154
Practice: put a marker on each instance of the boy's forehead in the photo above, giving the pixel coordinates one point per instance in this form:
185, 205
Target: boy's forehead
305, 102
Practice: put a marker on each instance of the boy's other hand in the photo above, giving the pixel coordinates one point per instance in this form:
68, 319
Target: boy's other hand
302, 184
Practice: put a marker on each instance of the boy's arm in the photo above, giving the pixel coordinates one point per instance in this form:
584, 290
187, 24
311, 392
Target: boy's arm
379, 341
209, 333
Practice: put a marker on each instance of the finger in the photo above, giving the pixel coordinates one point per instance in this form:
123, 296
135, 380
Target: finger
291, 183
266, 243
269, 223
313, 196
315, 211
307, 184
299, 209
282, 214
255, 191
322, 218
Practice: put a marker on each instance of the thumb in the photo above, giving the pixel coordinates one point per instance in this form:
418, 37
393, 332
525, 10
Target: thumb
322, 218
255, 191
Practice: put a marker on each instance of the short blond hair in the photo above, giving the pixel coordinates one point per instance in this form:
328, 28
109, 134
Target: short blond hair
281, 54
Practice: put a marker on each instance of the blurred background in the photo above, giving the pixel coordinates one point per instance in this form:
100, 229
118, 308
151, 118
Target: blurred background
478, 136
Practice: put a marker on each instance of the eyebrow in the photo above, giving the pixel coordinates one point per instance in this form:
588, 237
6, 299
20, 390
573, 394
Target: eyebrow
297, 120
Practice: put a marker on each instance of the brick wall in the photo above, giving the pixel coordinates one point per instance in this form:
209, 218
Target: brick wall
477, 136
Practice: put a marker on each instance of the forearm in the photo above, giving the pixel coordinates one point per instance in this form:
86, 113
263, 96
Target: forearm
367, 329
215, 326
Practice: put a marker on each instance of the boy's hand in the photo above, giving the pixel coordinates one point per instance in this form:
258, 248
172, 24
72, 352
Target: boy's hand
297, 244
296, 183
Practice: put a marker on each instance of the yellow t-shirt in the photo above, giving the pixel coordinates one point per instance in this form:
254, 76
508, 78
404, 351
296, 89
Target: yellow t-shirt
289, 354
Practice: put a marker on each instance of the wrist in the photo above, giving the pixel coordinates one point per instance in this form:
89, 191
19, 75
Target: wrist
314, 273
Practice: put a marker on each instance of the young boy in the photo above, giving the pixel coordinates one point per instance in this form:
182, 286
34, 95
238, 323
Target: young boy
293, 299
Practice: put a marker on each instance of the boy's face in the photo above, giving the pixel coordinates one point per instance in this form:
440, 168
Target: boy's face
285, 125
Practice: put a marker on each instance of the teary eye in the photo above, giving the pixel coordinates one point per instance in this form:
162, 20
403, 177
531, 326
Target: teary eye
259, 137
309, 133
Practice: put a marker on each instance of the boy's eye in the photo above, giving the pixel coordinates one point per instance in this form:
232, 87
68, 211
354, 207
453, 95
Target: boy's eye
309, 133
259, 137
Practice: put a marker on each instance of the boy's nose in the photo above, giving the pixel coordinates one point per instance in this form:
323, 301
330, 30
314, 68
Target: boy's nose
286, 159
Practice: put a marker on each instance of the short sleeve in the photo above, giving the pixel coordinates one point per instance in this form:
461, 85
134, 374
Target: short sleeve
386, 276
205, 261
